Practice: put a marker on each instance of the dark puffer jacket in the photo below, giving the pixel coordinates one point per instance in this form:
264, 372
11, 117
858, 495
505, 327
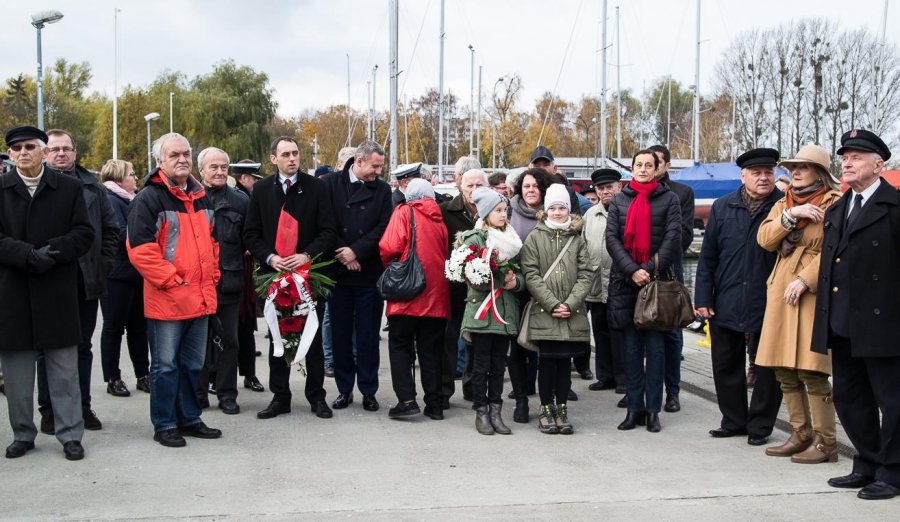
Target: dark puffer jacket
665, 240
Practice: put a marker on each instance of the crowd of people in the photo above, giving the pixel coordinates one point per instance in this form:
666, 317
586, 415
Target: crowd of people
800, 280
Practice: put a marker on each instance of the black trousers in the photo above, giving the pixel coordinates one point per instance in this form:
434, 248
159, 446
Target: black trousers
554, 379
489, 353
450, 354
729, 361
247, 348
225, 373
519, 363
609, 360
87, 312
123, 314
862, 387
409, 336
280, 372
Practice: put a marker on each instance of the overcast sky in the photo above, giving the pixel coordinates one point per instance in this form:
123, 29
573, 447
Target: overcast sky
302, 44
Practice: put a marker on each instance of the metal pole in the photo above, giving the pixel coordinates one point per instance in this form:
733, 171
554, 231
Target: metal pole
669, 117
374, 70
171, 95
471, 100
618, 88
149, 150
369, 110
493, 144
394, 72
733, 116
115, 151
440, 164
478, 119
697, 92
349, 113
40, 84
603, 89
406, 128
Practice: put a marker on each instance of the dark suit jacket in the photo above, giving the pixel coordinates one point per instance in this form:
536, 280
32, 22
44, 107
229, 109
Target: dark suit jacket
870, 251
307, 201
361, 215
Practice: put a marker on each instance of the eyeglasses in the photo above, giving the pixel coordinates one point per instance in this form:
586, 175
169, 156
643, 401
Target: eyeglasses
131, 175
57, 150
19, 146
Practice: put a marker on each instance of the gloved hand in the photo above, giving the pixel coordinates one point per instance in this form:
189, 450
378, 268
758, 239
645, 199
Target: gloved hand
41, 259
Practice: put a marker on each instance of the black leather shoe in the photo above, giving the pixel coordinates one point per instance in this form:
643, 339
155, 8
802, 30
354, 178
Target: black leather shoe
117, 388
321, 409
722, 433
586, 375
252, 383
48, 423
878, 490
433, 413
653, 425
672, 404
851, 481
404, 409
170, 438
601, 385
143, 384
572, 395
520, 414
632, 419
757, 440
201, 431
343, 400
18, 448
91, 422
273, 410
623, 402
229, 407
370, 403
73, 450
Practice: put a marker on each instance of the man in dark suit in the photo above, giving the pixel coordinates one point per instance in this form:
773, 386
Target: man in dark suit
674, 340
361, 205
857, 314
305, 199
44, 229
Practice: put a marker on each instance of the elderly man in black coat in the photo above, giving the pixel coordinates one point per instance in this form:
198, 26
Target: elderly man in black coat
361, 204
44, 229
730, 291
857, 315
305, 199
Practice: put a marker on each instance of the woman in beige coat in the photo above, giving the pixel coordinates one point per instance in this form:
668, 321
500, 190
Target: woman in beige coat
794, 229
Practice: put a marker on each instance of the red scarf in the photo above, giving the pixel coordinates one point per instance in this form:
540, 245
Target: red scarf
637, 222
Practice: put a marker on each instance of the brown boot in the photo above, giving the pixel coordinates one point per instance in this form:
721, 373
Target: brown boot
824, 445
797, 405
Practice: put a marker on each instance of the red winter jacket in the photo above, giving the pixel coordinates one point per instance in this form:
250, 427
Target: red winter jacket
170, 243
431, 248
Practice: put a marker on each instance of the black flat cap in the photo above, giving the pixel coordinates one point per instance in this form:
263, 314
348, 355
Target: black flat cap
413, 170
27, 132
867, 141
758, 158
603, 176
541, 152
588, 188
248, 167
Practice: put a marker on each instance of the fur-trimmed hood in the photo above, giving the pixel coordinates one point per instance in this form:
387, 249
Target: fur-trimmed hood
574, 228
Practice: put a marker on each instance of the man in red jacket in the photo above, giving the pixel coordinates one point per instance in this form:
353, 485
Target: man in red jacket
170, 243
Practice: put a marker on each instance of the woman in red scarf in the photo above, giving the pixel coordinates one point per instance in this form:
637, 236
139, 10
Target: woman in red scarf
643, 228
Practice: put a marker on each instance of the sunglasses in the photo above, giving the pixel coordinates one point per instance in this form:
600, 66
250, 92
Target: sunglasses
27, 146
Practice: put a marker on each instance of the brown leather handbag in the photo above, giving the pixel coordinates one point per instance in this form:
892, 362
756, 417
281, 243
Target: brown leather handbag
663, 305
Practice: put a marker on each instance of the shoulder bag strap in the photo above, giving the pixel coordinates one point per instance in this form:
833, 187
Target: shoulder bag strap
412, 236
559, 257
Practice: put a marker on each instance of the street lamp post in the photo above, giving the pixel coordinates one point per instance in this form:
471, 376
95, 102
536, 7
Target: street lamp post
39, 20
150, 117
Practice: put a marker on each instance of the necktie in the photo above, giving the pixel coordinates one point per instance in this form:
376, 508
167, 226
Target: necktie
855, 210
287, 185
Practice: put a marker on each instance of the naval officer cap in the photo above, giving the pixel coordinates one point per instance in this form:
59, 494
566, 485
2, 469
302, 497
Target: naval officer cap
603, 176
861, 139
24, 133
246, 166
413, 170
762, 157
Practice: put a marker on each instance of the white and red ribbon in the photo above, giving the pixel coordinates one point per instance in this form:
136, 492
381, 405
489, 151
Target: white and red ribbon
309, 328
490, 301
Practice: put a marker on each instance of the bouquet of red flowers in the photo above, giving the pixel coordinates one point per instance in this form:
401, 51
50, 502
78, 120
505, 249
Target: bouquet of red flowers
290, 308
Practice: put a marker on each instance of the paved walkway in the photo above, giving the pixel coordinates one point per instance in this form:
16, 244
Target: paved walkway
363, 465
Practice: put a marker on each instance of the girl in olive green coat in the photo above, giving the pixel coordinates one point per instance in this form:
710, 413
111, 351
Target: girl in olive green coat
490, 338
558, 320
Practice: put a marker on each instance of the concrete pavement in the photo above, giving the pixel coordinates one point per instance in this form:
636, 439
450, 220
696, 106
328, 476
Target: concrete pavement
364, 465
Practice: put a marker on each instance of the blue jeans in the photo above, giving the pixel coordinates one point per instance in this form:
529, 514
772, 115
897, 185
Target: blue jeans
674, 342
326, 337
641, 383
177, 352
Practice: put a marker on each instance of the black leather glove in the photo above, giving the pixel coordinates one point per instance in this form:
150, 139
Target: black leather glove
41, 259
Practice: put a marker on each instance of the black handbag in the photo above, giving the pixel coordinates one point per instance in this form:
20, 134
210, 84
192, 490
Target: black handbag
663, 305
403, 280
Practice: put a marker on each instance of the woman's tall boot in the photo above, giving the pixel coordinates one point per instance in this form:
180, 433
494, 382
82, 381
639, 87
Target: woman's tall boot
797, 404
824, 444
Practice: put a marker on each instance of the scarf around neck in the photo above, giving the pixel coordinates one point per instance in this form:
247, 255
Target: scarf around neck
637, 221
553, 225
753, 205
506, 242
813, 194
117, 190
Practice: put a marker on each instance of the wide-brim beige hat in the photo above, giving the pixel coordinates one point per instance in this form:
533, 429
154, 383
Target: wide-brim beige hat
813, 155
